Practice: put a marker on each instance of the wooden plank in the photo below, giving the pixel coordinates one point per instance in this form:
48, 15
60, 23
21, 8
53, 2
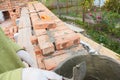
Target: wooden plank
25, 33
24, 19
24, 41
103, 51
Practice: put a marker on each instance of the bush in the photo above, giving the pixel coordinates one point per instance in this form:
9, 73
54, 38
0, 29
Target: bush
102, 33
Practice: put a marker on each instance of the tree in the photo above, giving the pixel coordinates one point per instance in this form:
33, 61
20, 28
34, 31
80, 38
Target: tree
67, 6
77, 6
113, 5
86, 4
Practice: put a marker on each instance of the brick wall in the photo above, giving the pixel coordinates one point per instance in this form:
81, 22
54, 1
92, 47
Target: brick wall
3, 3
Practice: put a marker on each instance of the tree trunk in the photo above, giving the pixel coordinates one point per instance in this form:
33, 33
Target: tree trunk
67, 6
83, 18
76, 7
58, 8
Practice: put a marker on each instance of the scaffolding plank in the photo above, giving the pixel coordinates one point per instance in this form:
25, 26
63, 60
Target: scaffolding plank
24, 19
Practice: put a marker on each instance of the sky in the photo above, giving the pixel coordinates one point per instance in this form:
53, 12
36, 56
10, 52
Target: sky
97, 2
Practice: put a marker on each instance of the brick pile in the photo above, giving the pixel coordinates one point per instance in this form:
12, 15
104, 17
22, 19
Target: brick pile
13, 15
54, 38
4, 5
9, 32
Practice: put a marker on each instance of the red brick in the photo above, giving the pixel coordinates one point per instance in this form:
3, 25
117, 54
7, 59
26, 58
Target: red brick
45, 45
11, 30
47, 48
37, 50
62, 32
67, 41
43, 39
34, 18
40, 61
33, 15
60, 44
40, 32
34, 39
31, 8
37, 7
77, 48
44, 17
7, 33
37, 25
11, 36
44, 25
57, 53
52, 62
15, 29
59, 28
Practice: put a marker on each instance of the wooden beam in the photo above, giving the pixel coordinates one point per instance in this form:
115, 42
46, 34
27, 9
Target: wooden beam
25, 33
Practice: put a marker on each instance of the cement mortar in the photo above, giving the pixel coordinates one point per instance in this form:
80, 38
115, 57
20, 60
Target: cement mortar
98, 67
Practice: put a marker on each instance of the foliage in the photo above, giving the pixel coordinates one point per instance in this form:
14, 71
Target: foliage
105, 30
99, 33
87, 3
113, 5
108, 23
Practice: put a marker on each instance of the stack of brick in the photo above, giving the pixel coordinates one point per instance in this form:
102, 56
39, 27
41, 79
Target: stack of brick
9, 32
52, 34
45, 45
13, 15
21, 3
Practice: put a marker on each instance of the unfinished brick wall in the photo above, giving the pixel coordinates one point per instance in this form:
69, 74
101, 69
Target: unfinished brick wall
3, 3
54, 37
